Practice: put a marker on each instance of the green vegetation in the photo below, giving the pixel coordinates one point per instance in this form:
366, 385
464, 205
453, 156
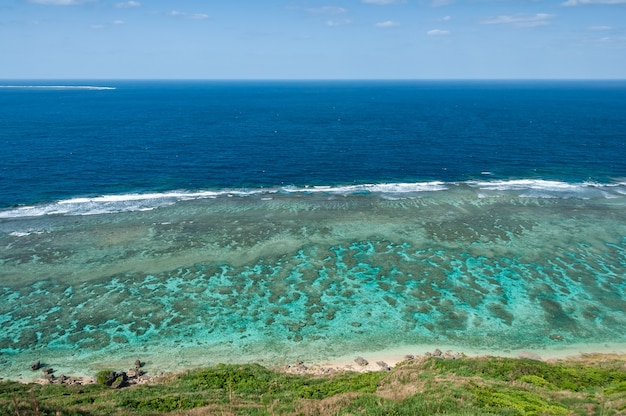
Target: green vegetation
103, 376
467, 386
563, 376
517, 401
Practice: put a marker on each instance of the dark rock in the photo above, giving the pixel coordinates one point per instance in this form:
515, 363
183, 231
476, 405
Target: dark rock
383, 365
428, 354
36, 365
110, 379
47, 370
556, 337
103, 376
75, 380
138, 364
437, 353
361, 361
134, 373
409, 357
119, 381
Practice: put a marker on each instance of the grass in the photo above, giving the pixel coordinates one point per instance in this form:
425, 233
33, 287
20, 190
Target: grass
573, 376
429, 386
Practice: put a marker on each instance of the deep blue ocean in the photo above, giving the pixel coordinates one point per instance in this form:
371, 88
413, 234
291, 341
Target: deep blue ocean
163, 136
196, 222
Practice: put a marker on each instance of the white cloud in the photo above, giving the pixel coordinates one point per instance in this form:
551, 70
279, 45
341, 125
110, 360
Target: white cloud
438, 32
58, 2
381, 2
328, 10
446, 18
184, 15
128, 4
334, 23
520, 20
198, 16
609, 42
387, 23
105, 26
599, 28
581, 2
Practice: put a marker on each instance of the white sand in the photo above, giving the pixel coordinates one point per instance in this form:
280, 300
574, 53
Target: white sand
166, 361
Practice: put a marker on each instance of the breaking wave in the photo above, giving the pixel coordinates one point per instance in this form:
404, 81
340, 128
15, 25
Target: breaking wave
523, 188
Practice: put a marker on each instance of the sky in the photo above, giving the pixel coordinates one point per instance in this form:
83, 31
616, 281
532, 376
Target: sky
312, 39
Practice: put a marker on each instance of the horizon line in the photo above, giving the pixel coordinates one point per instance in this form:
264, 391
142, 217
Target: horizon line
309, 79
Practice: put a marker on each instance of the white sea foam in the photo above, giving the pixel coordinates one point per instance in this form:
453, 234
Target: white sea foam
60, 87
384, 188
532, 188
109, 204
24, 233
539, 188
523, 184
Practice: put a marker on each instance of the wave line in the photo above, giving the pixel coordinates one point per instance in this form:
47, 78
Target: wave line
523, 188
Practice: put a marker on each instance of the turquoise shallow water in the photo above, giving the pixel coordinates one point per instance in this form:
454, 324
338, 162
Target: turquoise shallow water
277, 276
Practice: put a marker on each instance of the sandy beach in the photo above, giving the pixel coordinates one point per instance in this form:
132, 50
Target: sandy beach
156, 365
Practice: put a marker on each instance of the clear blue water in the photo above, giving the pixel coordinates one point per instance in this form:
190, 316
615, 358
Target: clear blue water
196, 222
157, 136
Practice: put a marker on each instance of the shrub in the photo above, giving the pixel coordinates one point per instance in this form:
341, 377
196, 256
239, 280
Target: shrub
562, 375
102, 377
350, 382
251, 378
162, 404
537, 381
523, 402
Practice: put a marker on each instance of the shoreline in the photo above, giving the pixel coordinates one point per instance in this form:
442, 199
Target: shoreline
391, 357
156, 366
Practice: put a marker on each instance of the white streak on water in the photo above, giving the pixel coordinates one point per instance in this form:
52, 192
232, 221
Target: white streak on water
524, 188
59, 87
